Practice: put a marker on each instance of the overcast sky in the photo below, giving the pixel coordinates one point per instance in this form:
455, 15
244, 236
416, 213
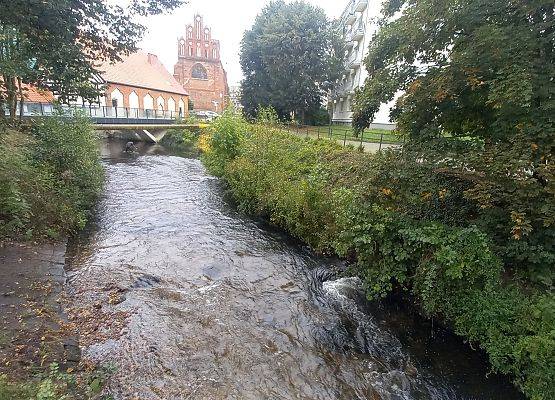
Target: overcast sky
228, 20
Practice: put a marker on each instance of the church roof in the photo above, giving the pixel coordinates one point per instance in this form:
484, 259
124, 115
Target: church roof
142, 70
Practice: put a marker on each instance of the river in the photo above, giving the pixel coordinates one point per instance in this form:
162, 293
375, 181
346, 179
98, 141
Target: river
206, 303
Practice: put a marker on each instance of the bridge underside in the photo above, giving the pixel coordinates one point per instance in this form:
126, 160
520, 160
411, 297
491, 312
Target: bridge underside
150, 133
144, 134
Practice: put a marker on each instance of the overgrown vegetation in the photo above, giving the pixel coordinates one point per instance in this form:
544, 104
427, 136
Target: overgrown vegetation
477, 78
50, 177
182, 139
55, 384
408, 224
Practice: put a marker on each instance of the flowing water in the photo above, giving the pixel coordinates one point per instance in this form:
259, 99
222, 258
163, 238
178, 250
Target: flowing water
219, 306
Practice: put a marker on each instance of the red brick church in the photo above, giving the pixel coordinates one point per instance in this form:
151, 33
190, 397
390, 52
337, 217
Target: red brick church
199, 68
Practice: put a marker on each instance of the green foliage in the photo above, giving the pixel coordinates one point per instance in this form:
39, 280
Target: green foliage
318, 117
267, 116
289, 59
180, 138
478, 102
55, 384
50, 179
227, 133
407, 224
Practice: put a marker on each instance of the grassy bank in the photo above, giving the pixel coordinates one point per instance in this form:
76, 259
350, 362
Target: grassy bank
50, 176
345, 132
407, 226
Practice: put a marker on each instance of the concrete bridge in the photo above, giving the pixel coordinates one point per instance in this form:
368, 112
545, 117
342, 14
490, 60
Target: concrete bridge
124, 122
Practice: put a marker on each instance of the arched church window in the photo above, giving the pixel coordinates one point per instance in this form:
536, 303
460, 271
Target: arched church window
199, 72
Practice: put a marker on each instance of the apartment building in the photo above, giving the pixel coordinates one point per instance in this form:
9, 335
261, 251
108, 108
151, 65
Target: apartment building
358, 25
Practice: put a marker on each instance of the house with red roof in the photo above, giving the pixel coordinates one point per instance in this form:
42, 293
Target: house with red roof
141, 82
138, 86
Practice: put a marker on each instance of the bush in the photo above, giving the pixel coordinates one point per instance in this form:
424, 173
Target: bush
407, 225
49, 179
180, 138
226, 134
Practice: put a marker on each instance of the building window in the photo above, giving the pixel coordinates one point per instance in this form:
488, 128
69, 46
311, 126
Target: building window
171, 104
207, 35
148, 102
133, 100
117, 98
190, 32
205, 53
215, 54
198, 27
199, 52
190, 51
199, 72
181, 107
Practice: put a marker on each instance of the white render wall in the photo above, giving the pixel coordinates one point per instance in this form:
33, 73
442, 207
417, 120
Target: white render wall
353, 78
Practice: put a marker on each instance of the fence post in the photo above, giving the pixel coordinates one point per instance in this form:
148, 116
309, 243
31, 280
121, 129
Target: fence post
307, 131
362, 137
381, 139
345, 138
318, 133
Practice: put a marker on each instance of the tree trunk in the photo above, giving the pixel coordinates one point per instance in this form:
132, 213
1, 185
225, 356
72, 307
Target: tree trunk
21, 99
10, 84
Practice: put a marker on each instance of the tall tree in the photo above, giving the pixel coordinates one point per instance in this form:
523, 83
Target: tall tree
58, 45
479, 95
289, 58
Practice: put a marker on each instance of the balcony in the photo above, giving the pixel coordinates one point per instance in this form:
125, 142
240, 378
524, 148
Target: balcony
357, 34
353, 65
360, 5
343, 90
350, 18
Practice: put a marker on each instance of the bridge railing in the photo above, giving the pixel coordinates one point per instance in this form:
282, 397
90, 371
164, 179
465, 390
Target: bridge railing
100, 113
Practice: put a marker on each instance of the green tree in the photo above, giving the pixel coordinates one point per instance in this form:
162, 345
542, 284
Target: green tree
289, 58
479, 103
58, 45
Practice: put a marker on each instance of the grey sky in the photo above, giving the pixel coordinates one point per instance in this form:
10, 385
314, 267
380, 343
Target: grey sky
228, 20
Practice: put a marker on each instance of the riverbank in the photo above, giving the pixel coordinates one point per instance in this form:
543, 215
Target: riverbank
50, 178
405, 226
31, 281
200, 301
40, 356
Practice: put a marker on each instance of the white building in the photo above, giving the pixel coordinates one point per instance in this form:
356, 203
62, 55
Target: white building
235, 96
358, 25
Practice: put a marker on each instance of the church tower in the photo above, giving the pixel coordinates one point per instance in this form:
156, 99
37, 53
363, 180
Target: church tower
199, 68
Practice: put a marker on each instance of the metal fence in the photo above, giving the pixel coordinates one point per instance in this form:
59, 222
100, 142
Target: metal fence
372, 139
100, 114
